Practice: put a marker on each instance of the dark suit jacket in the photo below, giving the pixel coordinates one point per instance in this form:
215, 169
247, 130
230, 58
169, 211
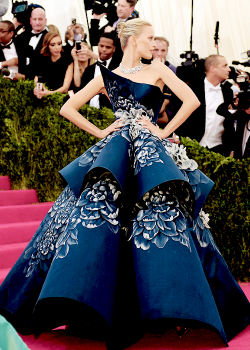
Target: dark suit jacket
194, 126
28, 52
232, 135
21, 59
89, 74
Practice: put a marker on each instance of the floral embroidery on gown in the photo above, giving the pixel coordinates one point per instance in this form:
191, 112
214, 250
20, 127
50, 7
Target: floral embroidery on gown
126, 244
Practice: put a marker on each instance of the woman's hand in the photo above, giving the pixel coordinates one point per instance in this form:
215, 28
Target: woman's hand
111, 128
70, 31
74, 54
41, 93
85, 50
146, 123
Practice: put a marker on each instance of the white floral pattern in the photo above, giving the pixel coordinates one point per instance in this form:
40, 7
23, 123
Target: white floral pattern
159, 220
60, 228
202, 232
178, 154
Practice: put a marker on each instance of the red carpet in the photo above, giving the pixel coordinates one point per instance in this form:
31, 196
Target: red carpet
20, 216
194, 340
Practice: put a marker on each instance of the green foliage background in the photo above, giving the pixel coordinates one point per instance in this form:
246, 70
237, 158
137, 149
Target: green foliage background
36, 142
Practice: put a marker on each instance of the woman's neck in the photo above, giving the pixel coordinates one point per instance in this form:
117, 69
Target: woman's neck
131, 58
55, 58
83, 64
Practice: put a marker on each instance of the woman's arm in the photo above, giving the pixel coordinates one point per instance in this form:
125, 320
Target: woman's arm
62, 89
76, 74
182, 91
70, 109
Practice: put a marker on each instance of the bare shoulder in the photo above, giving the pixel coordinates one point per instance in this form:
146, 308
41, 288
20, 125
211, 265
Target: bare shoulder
160, 68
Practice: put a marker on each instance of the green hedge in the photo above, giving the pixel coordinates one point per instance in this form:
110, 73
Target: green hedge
36, 142
228, 205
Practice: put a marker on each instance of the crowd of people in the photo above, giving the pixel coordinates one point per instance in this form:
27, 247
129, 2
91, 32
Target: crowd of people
38, 51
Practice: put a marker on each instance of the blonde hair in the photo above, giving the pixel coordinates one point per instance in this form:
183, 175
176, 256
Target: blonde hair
132, 27
53, 29
90, 60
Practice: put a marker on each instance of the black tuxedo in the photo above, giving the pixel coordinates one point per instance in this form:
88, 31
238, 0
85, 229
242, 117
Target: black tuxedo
19, 51
28, 52
234, 136
194, 126
89, 74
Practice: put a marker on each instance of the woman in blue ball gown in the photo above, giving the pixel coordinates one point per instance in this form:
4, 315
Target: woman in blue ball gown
126, 247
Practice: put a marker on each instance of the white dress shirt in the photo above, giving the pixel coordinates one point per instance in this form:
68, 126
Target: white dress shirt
214, 122
94, 102
11, 53
35, 39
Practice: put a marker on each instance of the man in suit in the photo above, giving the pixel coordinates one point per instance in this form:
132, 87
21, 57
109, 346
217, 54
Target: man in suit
32, 41
204, 124
124, 10
106, 49
10, 51
237, 126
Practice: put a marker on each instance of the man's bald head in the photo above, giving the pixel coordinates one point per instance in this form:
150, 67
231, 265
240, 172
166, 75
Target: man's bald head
38, 20
216, 68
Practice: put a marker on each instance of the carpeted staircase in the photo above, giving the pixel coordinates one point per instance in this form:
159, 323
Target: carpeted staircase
20, 216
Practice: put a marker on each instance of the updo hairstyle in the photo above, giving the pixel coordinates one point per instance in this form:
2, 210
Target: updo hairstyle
132, 27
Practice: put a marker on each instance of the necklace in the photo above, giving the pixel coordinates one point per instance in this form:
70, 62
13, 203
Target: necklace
131, 70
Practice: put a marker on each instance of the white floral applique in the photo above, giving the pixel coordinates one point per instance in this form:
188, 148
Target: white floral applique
159, 221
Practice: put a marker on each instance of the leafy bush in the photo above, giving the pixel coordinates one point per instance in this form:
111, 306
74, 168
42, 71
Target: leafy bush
36, 142
228, 205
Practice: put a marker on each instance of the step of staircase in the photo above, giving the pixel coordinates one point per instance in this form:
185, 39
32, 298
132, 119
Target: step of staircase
18, 197
23, 213
4, 183
18, 231
10, 253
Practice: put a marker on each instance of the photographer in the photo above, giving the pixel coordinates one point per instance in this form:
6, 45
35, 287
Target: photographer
75, 32
83, 57
124, 11
237, 124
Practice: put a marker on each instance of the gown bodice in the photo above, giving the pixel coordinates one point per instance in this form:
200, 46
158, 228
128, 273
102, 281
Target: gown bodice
126, 94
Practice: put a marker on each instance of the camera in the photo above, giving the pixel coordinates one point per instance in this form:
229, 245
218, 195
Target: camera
8, 73
78, 45
244, 56
19, 7
190, 57
244, 100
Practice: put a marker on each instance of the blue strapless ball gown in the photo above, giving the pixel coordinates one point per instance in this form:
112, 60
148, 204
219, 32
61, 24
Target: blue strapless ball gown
126, 246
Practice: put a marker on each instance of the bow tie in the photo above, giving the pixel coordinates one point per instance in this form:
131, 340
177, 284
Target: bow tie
214, 88
104, 63
37, 34
6, 46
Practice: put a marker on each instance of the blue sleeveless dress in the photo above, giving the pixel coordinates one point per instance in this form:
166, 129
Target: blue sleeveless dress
126, 247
